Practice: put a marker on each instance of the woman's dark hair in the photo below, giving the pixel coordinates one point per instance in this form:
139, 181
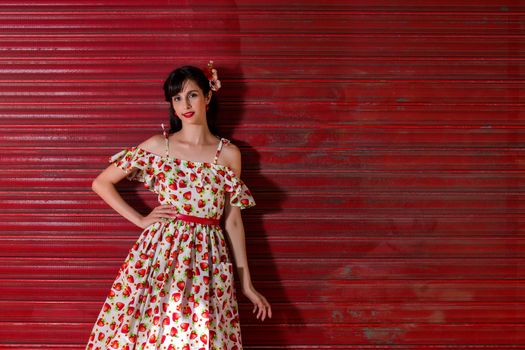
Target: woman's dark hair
174, 84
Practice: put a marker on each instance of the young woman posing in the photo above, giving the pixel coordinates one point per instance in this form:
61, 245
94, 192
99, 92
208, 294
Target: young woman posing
175, 290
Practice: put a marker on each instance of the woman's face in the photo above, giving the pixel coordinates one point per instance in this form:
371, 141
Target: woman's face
190, 103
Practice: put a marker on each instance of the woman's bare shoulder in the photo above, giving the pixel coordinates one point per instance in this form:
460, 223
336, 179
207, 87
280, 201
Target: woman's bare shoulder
155, 144
230, 148
231, 157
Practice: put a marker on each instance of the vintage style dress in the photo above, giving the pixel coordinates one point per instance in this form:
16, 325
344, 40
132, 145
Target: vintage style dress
175, 289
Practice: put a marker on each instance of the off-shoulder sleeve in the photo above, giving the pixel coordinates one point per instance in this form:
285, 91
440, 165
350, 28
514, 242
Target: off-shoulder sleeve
240, 194
137, 164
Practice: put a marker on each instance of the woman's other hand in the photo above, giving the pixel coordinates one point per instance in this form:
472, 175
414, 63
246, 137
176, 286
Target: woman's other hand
260, 304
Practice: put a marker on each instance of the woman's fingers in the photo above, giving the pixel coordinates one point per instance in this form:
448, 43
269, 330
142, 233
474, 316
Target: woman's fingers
165, 209
164, 212
267, 307
262, 310
168, 213
263, 306
256, 306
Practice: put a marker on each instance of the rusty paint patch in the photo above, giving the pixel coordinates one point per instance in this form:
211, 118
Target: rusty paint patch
337, 316
384, 335
437, 317
347, 273
355, 314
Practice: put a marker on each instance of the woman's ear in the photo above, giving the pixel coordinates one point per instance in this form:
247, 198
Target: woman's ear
208, 98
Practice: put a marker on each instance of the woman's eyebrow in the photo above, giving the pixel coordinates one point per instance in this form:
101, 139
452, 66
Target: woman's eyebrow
187, 92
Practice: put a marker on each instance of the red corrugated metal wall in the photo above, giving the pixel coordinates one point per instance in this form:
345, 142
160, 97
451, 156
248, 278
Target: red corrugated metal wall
383, 141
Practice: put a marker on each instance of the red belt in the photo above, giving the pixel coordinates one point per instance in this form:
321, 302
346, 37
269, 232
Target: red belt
197, 219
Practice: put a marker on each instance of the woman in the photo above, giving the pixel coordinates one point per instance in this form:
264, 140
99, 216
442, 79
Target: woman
175, 289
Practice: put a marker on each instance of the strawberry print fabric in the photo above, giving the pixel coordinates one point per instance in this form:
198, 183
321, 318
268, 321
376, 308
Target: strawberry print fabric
175, 289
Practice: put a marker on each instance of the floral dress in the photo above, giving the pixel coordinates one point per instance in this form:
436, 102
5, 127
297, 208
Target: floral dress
175, 289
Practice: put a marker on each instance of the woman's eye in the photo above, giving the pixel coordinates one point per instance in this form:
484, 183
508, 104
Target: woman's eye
176, 98
194, 95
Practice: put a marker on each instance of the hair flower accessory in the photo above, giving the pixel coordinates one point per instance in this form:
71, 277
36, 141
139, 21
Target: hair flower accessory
215, 83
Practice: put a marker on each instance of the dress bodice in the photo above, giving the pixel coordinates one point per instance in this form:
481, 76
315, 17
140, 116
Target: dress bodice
194, 188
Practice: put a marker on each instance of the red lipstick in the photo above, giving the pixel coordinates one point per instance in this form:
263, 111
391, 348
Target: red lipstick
188, 114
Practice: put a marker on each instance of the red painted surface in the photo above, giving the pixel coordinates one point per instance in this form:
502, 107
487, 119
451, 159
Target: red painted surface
383, 142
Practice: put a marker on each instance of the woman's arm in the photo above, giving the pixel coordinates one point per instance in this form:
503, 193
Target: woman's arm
104, 186
234, 225
235, 234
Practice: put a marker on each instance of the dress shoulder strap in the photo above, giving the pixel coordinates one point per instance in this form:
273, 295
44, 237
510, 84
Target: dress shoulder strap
219, 148
165, 132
